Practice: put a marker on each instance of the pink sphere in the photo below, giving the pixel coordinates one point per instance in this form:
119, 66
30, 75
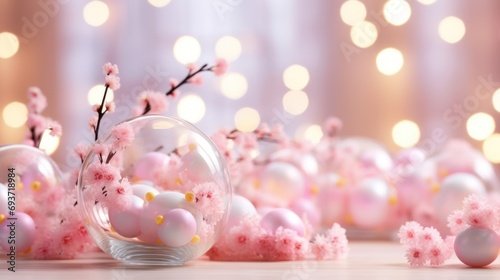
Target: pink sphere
305, 207
160, 205
149, 165
477, 247
331, 198
240, 206
285, 218
178, 228
3, 199
23, 229
126, 221
369, 203
283, 181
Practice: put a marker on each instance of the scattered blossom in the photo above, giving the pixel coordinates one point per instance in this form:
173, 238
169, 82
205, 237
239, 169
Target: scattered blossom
113, 82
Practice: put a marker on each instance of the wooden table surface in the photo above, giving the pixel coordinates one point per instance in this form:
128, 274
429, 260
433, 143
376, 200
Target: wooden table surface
367, 260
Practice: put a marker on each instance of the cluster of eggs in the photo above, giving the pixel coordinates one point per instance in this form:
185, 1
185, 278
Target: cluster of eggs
155, 217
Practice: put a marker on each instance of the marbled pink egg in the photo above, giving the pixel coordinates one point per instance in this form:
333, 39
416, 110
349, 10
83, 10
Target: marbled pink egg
285, 218
126, 222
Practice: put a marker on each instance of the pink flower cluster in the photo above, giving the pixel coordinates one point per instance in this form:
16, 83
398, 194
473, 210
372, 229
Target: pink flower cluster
209, 201
249, 241
478, 211
37, 123
424, 244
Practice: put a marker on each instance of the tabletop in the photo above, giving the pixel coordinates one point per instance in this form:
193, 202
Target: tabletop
366, 260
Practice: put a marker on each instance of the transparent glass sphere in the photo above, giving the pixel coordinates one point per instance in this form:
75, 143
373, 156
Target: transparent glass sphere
31, 191
177, 187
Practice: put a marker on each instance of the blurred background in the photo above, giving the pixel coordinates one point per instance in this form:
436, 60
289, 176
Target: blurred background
405, 73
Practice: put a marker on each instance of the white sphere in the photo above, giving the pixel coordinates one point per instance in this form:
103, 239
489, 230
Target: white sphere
240, 206
369, 203
283, 180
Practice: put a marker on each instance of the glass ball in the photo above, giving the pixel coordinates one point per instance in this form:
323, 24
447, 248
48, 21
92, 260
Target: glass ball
161, 199
31, 190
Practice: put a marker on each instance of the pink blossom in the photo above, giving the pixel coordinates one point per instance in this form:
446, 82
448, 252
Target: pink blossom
110, 106
220, 66
409, 232
113, 82
110, 69
96, 107
209, 201
157, 101
37, 121
332, 125
474, 202
191, 67
118, 195
456, 222
220, 139
101, 149
416, 256
81, 150
277, 132
428, 236
173, 83
101, 174
479, 218
55, 128
93, 122
196, 80
320, 248
436, 254
137, 111
247, 141
37, 101
123, 136
263, 130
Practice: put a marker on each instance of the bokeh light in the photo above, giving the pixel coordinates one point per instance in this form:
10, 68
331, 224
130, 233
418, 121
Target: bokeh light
233, 85
295, 102
496, 100
364, 34
389, 61
480, 126
491, 148
352, 12
247, 119
159, 3
15, 114
296, 77
313, 133
427, 2
96, 13
405, 134
9, 45
191, 108
187, 49
228, 48
397, 12
451, 29
94, 97
49, 143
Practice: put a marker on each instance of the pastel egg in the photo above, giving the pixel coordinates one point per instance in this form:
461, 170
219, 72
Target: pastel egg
23, 229
306, 208
160, 205
477, 247
194, 160
369, 203
126, 221
144, 191
283, 181
331, 199
454, 189
240, 206
285, 218
177, 228
148, 166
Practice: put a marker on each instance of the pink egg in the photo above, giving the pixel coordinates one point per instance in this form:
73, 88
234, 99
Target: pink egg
141, 189
283, 181
240, 206
331, 199
178, 228
23, 229
126, 221
477, 247
305, 207
160, 205
149, 165
454, 189
285, 218
194, 160
369, 203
